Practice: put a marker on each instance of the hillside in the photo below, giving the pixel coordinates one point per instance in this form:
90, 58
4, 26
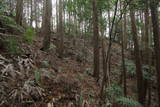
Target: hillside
79, 53
42, 78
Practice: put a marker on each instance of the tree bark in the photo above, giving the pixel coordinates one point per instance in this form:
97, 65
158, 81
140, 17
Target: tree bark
156, 35
19, 12
36, 13
47, 25
31, 15
96, 39
61, 29
137, 58
123, 34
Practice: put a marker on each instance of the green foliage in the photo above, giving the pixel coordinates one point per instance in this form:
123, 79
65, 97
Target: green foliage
16, 27
29, 35
12, 45
81, 8
88, 71
3, 6
46, 63
114, 91
52, 46
146, 74
37, 75
88, 35
91, 94
103, 23
73, 28
7, 19
81, 98
128, 102
115, 94
9, 22
131, 70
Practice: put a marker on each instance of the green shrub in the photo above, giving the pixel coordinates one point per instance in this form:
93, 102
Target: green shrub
52, 46
46, 63
37, 75
3, 6
7, 19
12, 45
88, 71
29, 35
131, 70
81, 99
114, 91
16, 27
10, 24
128, 102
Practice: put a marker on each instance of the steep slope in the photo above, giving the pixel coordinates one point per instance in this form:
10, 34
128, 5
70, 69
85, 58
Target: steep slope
37, 78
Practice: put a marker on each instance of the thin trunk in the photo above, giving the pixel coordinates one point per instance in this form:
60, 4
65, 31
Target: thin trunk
69, 27
123, 35
125, 32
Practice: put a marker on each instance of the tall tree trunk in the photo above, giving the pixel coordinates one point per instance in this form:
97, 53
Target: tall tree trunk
19, 12
69, 20
124, 68
31, 16
61, 29
103, 51
123, 34
57, 17
43, 16
96, 39
137, 58
28, 13
47, 25
146, 45
36, 12
156, 35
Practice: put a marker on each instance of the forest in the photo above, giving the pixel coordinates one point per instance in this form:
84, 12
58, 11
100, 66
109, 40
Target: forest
79, 53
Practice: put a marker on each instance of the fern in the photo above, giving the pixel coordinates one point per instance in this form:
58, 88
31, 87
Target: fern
131, 70
16, 27
81, 99
88, 71
114, 91
128, 102
29, 35
46, 63
6, 19
37, 75
12, 45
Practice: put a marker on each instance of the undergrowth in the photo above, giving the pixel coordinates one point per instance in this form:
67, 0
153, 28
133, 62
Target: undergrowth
114, 95
29, 35
12, 46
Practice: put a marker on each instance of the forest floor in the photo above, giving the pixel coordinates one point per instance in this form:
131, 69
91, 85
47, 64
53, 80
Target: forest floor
42, 79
